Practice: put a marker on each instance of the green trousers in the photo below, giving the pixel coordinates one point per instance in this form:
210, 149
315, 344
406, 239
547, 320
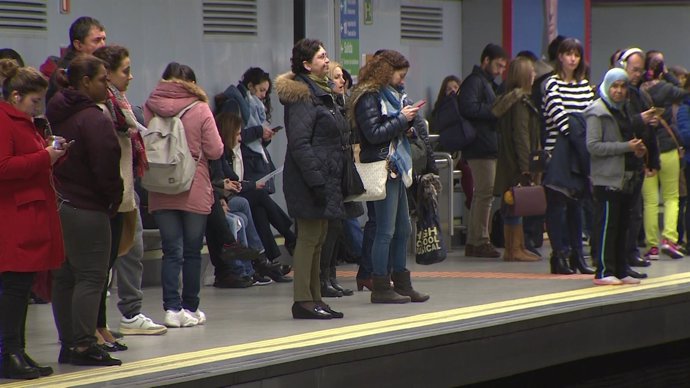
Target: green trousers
306, 263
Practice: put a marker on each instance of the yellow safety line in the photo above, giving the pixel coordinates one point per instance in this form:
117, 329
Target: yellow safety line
161, 364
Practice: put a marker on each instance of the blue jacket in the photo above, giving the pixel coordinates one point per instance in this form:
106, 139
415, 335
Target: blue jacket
568, 169
683, 119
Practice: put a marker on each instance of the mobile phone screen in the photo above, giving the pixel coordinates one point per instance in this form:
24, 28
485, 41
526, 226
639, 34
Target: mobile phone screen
276, 129
419, 104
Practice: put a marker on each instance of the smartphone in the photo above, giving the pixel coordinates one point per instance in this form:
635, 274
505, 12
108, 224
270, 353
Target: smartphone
658, 111
419, 104
276, 129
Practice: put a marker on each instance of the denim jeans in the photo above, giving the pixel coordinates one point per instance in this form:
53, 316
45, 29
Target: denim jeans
237, 223
353, 233
392, 230
365, 265
182, 237
240, 206
563, 221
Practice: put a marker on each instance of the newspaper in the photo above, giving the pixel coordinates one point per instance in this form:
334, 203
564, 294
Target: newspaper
270, 175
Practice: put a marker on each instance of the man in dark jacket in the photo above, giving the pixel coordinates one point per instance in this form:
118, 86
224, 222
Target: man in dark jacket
476, 98
643, 119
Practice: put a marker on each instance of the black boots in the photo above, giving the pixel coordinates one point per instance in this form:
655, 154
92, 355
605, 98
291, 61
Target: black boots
42, 370
403, 286
15, 366
327, 290
578, 263
383, 292
337, 286
558, 264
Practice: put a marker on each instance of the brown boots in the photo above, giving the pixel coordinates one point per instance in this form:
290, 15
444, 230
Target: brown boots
402, 293
515, 245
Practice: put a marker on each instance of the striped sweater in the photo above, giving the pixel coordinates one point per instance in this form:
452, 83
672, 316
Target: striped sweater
560, 99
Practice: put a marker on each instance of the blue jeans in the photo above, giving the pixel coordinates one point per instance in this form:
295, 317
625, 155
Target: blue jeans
563, 221
182, 237
238, 267
354, 233
240, 206
392, 230
365, 264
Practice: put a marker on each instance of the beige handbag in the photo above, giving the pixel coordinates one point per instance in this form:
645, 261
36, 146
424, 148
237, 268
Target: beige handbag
374, 177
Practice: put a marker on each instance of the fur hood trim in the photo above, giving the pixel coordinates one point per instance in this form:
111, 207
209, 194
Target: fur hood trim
191, 87
291, 90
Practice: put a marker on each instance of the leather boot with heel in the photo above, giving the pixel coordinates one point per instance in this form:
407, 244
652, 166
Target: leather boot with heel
558, 264
403, 286
383, 292
577, 263
327, 290
14, 366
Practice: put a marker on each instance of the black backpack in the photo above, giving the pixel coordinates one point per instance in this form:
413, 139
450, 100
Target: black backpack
496, 234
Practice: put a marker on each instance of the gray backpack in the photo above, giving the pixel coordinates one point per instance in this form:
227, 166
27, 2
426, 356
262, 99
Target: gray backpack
171, 164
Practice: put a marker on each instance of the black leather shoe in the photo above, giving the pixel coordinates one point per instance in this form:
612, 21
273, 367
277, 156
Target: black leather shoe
327, 290
637, 275
238, 251
301, 312
328, 309
14, 366
94, 355
65, 356
42, 370
636, 261
285, 269
337, 286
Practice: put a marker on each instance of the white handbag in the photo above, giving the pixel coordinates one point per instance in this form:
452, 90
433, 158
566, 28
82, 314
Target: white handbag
374, 176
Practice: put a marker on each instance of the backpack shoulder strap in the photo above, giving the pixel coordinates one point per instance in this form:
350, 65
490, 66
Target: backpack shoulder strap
188, 107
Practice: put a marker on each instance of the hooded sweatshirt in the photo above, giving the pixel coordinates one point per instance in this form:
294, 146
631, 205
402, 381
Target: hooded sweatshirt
203, 139
89, 177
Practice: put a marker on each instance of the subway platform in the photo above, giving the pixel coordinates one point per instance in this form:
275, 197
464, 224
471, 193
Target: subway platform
486, 319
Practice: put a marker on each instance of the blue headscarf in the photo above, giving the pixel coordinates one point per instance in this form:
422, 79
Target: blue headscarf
612, 76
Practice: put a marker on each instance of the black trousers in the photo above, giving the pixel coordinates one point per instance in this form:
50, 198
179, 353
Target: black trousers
612, 213
329, 250
217, 234
265, 213
14, 302
635, 224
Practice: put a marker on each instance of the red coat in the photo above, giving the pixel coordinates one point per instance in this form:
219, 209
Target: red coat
30, 232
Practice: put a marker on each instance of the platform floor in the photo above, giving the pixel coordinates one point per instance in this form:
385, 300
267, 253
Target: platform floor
252, 328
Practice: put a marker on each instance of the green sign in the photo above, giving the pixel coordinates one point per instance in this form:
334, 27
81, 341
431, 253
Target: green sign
368, 12
349, 55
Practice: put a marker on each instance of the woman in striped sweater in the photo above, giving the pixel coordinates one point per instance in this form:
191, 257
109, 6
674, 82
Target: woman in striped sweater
566, 92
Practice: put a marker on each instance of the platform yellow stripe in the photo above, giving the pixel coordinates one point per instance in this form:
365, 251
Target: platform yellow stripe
166, 363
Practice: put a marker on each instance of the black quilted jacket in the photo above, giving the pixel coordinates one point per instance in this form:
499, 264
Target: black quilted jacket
316, 131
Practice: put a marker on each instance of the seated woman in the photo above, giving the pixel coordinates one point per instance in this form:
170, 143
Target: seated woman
245, 100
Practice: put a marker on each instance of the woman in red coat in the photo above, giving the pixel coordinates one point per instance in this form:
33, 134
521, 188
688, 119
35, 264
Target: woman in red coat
30, 233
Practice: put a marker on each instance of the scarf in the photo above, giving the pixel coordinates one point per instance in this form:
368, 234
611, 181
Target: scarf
391, 104
121, 113
257, 117
612, 76
321, 83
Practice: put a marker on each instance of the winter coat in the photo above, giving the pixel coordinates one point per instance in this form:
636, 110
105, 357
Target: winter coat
375, 129
664, 94
568, 169
30, 231
519, 125
606, 146
476, 98
316, 131
203, 139
255, 167
639, 101
89, 177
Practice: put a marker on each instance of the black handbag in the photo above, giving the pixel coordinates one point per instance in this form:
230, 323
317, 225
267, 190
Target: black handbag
351, 182
455, 132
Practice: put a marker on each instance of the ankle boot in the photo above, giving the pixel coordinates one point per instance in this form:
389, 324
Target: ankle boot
334, 282
365, 283
14, 366
383, 292
518, 245
403, 286
508, 244
327, 290
558, 264
42, 370
577, 263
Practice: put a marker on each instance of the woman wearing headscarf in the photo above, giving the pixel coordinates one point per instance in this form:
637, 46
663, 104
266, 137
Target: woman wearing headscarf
616, 169
379, 110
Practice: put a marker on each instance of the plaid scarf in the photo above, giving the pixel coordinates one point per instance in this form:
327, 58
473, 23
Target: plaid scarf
124, 119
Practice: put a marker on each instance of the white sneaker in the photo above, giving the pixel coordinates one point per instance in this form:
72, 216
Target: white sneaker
629, 280
198, 315
179, 319
141, 325
607, 281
